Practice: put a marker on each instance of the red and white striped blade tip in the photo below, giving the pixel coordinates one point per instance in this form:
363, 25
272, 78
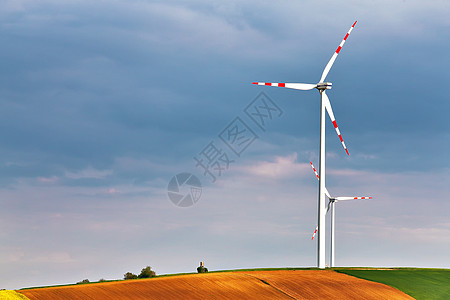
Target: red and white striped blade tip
295, 86
314, 234
333, 119
318, 178
314, 169
353, 198
335, 54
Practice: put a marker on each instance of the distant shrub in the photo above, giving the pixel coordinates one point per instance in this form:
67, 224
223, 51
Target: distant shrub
202, 269
129, 275
147, 273
101, 280
83, 281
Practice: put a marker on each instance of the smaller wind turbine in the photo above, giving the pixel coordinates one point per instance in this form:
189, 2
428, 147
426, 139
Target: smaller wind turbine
331, 203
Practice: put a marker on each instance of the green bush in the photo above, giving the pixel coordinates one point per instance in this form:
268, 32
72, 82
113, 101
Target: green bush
147, 273
83, 281
202, 269
129, 275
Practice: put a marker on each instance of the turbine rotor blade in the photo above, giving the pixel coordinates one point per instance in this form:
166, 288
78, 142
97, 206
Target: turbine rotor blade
352, 198
317, 227
329, 205
314, 170
331, 114
335, 199
314, 234
295, 86
317, 175
333, 58
338, 198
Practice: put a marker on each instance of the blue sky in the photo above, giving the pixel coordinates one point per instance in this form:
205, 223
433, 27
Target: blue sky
101, 104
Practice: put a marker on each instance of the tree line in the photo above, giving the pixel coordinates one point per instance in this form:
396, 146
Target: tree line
146, 272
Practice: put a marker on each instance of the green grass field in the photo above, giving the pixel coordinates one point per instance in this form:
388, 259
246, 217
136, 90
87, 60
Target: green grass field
418, 283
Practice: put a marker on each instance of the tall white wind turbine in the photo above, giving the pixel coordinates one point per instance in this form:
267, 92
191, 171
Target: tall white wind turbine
331, 203
325, 105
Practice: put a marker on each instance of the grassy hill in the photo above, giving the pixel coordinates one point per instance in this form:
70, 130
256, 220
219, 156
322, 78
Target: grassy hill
418, 283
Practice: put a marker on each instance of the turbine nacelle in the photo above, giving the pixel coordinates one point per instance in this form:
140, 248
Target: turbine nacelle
324, 86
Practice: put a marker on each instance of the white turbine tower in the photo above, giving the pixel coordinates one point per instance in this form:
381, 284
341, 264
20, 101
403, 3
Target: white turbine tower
331, 203
325, 105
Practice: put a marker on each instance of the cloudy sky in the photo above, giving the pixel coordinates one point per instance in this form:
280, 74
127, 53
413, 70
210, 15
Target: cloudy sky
102, 103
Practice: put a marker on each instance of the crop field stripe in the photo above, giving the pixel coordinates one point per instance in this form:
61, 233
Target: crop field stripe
267, 283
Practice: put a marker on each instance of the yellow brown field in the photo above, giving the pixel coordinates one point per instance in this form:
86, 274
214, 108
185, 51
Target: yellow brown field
282, 284
11, 295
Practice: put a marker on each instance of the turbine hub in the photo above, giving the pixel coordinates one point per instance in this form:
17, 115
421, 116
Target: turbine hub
324, 86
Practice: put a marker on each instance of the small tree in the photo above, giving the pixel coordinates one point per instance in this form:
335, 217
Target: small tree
83, 281
147, 273
129, 275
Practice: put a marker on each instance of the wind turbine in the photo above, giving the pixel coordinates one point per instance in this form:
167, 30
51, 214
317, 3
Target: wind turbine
331, 203
324, 105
